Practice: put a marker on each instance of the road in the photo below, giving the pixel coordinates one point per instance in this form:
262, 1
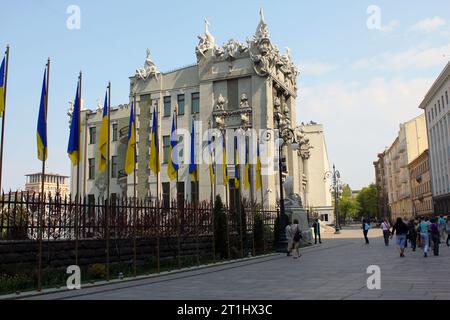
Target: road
335, 270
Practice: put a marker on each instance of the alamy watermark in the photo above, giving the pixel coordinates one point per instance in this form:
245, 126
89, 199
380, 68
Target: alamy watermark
74, 280
73, 21
374, 280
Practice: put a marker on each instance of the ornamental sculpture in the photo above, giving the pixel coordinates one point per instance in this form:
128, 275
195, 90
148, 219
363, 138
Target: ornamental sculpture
220, 106
231, 50
244, 101
206, 42
149, 70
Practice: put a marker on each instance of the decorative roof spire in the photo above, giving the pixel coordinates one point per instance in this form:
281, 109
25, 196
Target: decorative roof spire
206, 42
262, 31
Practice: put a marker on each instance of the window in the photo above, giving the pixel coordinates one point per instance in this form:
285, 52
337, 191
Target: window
180, 193
114, 170
91, 171
92, 135
114, 132
166, 195
166, 148
195, 103
233, 94
180, 102
194, 193
446, 97
167, 106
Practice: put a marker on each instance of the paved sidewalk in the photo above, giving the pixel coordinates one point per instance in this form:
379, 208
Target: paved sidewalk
333, 270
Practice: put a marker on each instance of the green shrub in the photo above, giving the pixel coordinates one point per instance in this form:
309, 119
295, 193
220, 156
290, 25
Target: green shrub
97, 271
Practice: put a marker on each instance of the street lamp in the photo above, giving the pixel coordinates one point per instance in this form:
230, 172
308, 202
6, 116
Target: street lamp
335, 187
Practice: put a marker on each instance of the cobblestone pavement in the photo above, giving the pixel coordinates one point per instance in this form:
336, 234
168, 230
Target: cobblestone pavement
337, 269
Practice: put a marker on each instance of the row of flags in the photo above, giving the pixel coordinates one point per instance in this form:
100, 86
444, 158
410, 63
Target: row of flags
74, 144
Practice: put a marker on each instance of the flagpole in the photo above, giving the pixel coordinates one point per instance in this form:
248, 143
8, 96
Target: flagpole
108, 173
3, 116
134, 185
42, 211
78, 197
178, 162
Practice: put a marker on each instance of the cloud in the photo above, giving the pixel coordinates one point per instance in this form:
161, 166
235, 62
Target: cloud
418, 58
316, 68
429, 25
394, 24
361, 118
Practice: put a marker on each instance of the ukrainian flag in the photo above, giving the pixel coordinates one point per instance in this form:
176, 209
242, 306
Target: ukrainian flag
237, 183
104, 132
212, 167
224, 162
247, 168
172, 168
193, 170
42, 122
258, 183
74, 147
2, 87
130, 159
154, 146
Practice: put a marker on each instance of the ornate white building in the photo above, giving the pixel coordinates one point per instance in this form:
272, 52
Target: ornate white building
231, 86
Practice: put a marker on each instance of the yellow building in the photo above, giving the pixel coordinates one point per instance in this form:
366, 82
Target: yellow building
53, 183
410, 143
421, 196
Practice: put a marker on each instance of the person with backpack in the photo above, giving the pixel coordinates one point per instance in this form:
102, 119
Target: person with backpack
297, 236
401, 230
386, 227
366, 227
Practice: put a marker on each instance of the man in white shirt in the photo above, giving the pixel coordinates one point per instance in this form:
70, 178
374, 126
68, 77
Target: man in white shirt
386, 227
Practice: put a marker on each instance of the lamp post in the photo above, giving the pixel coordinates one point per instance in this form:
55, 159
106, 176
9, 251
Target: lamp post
335, 187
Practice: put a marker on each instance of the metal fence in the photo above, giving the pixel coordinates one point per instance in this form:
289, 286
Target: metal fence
123, 235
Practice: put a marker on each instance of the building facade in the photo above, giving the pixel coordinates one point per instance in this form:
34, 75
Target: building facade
437, 112
409, 144
232, 87
381, 183
421, 196
317, 192
54, 184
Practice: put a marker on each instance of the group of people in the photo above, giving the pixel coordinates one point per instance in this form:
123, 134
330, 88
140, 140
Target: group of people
423, 233
294, 235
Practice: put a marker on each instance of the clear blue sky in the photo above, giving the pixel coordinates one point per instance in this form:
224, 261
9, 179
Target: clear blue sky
359, 83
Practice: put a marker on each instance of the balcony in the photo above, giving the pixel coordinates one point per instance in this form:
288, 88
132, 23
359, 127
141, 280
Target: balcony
123, 134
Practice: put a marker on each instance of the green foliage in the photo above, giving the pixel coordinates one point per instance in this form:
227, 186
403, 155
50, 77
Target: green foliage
220, 229
13, 222
97, 271
368, 201
16, 282
348, 205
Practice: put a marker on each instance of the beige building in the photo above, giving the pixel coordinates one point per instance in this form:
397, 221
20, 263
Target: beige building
381, 183
230, 87
53, 184
318, 198
421, 196
409, 144
436, 108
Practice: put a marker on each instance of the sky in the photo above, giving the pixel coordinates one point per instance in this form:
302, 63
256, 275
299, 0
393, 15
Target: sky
365, 66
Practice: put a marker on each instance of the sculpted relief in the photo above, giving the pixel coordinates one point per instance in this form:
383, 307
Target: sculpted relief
149, 70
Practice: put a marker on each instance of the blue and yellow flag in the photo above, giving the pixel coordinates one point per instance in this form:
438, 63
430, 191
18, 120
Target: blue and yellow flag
224, 161
212, 164
74, 147
246, 168
172, 168
154, 146
2, 87
42, 122
237, 182
258, 182
104, 133
193, 169
130, 159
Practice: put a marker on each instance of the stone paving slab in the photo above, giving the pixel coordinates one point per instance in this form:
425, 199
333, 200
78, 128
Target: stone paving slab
335, 270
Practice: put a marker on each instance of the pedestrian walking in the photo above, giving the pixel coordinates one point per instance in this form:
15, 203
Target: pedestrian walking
386, 227
441, 225
297, 236
412, 233
447, 228
366, 227
289, 237
400, 229
316, 226
423, 230
435, 235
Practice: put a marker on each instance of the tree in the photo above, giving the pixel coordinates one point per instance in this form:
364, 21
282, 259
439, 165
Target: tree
368, 201
348, 205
